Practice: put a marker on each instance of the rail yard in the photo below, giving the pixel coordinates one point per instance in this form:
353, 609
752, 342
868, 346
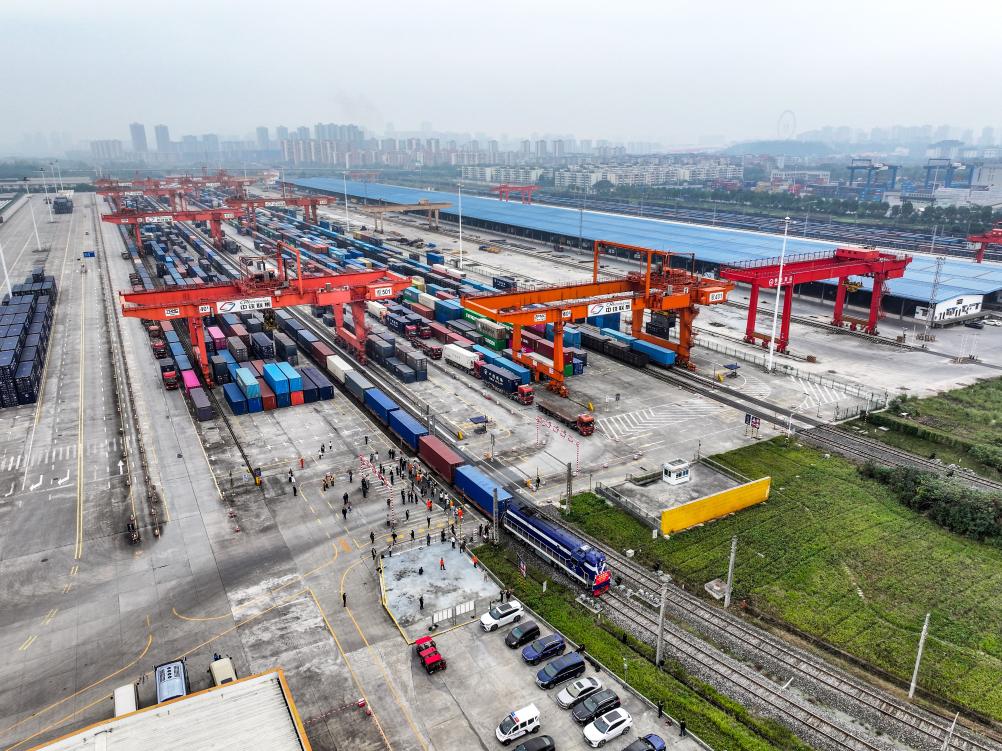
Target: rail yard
261, 430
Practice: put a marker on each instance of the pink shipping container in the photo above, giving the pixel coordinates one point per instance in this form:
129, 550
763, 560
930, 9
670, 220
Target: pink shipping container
445, 296
537, 328
190, 380
440, 332
218, 337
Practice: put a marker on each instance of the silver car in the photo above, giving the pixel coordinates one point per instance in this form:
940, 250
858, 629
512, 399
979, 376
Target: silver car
578, 691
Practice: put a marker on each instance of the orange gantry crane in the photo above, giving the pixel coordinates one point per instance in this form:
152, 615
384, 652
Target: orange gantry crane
176, 194
260, 291
215, 218
659, 287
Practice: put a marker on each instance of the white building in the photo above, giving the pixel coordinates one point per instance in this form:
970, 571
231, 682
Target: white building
519, 175
954, 309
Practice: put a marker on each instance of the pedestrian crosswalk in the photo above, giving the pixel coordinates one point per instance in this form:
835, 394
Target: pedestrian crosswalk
816, 393
644, 422
58, 454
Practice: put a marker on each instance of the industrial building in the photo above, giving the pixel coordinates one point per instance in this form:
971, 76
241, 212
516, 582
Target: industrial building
712, 246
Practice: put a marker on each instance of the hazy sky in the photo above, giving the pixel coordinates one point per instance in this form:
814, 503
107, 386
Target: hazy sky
629, 69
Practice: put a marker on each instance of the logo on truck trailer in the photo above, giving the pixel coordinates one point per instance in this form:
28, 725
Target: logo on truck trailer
243, 306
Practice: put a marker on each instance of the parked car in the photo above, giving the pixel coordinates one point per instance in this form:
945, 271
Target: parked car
517, 724
544, 648
578, 691
975, 324
597, 704
542, 743
607, 727
522, 634
562, 669
501, 615
649, 742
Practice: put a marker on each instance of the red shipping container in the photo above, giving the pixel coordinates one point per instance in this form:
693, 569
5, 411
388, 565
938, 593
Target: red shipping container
440, 332
297, 397
258, 367
321, 351
462, 341
445, 296
268, 400
437, 455
545, 348
537, 328
240, 330
423, 310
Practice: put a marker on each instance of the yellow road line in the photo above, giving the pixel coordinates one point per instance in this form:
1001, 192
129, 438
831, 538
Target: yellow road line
78, 552
27, 643
49, 616
347, 662
396, 696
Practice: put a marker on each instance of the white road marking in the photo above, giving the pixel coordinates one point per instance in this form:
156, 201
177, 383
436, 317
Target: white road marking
10, 492
37, 483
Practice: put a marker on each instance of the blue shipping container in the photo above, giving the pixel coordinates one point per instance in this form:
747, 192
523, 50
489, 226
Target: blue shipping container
380, 404
295, 380
407, 427
248, 383
617, 335
235, 398
523, 373
479, 488
659, 355
275, 378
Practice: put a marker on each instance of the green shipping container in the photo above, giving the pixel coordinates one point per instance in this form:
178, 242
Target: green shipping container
496, 344
469, 315
410, 294
568, 370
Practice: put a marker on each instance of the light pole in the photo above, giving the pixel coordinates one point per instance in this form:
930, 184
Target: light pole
34, 224
779, 289
347, 221
56, 172
45, 189
460, 267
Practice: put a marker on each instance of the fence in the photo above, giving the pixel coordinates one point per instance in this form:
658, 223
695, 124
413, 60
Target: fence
634, 509
873, 399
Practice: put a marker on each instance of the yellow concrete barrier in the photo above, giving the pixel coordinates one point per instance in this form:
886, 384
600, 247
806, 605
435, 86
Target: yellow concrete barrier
714, 506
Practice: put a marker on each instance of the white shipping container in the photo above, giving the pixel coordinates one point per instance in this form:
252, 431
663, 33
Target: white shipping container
338, 367
126, 699
491, 328
540, 359
375, 309
460, 357
440, 268
427, 300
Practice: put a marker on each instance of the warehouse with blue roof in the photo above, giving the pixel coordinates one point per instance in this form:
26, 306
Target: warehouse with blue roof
963, 285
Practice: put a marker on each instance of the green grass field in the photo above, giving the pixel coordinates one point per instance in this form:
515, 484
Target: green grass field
719, 721
839, 557
948, 425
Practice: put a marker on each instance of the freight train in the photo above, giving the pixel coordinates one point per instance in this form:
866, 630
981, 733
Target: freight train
570, 554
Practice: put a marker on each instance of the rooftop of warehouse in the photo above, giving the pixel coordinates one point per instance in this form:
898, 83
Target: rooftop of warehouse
253, 712
711, 244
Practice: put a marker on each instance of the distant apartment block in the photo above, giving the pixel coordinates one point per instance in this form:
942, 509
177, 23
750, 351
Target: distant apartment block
585, 178
107, 150
526, 175
811, 176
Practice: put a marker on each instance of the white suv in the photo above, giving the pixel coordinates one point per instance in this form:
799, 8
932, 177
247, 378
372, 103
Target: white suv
610, 725
501, 615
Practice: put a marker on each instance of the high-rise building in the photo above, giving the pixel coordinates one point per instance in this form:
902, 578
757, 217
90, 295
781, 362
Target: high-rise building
493, 147
262, 137
138, 132
108, 150
526, 148
540, 148
210, 143
303, 133
281, 133
162, 134
558, 148
189, 145
585, 146
987, 136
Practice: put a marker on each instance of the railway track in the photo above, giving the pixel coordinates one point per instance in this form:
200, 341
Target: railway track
896, 717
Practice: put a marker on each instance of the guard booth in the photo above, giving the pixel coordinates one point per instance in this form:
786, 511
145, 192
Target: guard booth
675, 472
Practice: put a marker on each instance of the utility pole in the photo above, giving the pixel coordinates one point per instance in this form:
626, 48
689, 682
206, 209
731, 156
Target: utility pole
494, 517
661, 623
347, 221
918, 657
934, 292
949, 733
460, 225
730, 572
570, 486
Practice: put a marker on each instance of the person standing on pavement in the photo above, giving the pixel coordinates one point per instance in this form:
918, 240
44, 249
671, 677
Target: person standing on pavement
421, 602
344, 599
372, 537
344, 512
441, 564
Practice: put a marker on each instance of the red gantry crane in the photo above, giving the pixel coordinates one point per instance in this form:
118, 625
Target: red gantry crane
215, 218
307, 203
658, 287
840, 264
982, 241
261, 292
505, 191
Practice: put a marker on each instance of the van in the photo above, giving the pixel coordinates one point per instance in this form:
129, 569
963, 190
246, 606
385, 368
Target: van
560, 670
126, 699
222, 671
517, 724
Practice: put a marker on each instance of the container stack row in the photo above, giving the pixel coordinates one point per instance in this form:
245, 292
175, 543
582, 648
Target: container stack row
25, 327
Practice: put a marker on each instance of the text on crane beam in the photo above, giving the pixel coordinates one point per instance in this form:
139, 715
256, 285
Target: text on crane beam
243, 306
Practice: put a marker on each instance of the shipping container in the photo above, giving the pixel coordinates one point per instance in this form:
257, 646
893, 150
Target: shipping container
380, 404
459, 357
189, 379
658, 355
479, 488
275, 378
436, 454
248, 384
295, 381
235, 399
357, 384
325, 389
409, 429
202, 406
338, 367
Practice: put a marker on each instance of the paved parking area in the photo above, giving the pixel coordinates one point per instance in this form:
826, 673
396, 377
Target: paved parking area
461, 706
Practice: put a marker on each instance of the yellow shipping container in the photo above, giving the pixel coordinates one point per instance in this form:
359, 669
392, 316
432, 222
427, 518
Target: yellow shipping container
714, 506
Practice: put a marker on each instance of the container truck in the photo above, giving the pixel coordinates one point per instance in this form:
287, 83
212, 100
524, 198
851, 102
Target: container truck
461, 358
159, 348
507, 383
568, 414
168, 372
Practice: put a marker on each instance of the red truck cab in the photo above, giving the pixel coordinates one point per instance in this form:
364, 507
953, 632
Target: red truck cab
525, 394
586, 424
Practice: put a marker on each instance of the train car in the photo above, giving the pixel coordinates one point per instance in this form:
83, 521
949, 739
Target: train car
172, 680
